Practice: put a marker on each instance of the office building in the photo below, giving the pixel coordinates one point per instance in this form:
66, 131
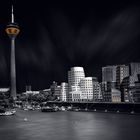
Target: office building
97, 94
134, 90
134, 70
122, 71
108, 73
109, 92
115, 96
124, 87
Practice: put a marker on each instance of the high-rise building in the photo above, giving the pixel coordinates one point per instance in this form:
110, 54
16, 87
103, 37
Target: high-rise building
12, 30
130, 88
134, 70
64, 92
74, 77
129, 84
108, 73
122, 71
124, 87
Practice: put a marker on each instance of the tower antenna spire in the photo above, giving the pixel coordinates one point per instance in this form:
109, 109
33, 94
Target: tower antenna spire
12, 15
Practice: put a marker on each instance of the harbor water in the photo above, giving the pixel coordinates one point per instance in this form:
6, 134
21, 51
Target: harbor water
36, 125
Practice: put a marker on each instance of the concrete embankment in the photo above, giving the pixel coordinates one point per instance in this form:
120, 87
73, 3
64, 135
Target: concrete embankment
132, 108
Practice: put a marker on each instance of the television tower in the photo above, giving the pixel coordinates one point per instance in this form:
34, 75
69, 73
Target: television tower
12, 29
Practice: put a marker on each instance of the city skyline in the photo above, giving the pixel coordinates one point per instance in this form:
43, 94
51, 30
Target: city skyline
56, 37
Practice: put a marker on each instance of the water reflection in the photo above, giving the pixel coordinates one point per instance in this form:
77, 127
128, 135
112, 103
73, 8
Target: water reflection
69, 126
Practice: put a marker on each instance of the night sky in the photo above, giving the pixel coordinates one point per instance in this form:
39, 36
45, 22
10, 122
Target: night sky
58, 35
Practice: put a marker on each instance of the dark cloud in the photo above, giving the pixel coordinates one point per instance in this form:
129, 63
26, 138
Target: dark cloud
55, 37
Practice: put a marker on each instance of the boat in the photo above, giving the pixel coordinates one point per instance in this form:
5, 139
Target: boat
7, 112
24, 108
63, 108
29, 107
73, 109
48, 109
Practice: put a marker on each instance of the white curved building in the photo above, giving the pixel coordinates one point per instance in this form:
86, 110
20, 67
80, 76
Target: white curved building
74, 77
64, 92
86, 86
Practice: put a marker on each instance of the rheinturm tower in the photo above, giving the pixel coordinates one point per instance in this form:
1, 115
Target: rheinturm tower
12, 29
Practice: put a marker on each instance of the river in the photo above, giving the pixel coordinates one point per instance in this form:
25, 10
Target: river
69, 126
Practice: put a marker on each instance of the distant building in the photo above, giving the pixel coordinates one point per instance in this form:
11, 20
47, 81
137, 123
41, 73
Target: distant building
115, 96
3, 90
134, 70
122, 71
31, 92
64, 92
135, 92
86, 87
53, 87
106, 86
28, 88
74, 77
108, 73
46, 91
109, 92
130, 88
106, 91
124, 87
97, 94
55, 90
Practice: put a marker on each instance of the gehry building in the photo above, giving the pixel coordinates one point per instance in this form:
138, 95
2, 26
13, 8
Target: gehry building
86, 86
64, 92
80, 87
74, 77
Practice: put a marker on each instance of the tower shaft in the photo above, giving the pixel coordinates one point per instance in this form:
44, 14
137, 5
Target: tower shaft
13, 30
13, 69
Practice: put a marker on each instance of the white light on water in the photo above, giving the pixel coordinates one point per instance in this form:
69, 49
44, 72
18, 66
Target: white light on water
25, 119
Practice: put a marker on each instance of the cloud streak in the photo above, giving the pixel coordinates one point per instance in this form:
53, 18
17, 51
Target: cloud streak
61, 41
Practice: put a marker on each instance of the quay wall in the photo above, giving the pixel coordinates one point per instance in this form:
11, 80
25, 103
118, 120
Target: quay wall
101, 106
